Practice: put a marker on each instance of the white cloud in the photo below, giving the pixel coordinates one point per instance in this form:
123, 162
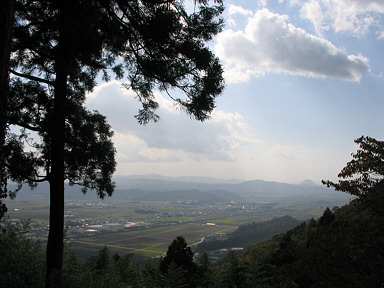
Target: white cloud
237, 134
234, 9
175, 137
283, 151
380, 35
269, 43
313, 11
231, 22
348, 16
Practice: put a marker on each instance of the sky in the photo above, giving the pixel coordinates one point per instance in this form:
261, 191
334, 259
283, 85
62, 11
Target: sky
303, 80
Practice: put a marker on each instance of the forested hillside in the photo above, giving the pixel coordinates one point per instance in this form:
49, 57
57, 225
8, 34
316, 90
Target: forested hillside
250, 234
343, 248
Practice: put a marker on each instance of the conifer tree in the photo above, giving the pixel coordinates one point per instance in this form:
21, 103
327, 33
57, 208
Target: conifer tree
6, 20
58, 49
178, 264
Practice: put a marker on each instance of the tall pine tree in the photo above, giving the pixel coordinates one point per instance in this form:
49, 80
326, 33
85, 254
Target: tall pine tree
59, 47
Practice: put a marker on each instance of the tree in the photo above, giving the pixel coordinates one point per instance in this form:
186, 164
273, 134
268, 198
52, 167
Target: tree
58, 49
364, 171
175, 277
21, 258
179, 261
204, 266
327, 217
179, 253
6, 20
231, 272
130, 272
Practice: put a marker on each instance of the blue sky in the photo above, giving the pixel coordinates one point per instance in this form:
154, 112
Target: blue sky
303, 80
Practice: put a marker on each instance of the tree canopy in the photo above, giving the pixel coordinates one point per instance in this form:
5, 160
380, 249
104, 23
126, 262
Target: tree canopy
6, 22
364, 171
89, 152
59, 48
155, 44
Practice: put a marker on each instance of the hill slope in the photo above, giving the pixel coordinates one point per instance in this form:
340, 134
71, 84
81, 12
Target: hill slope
251, 234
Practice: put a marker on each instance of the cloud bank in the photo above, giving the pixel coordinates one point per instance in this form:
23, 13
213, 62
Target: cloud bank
269, 43
355, 17
176, 137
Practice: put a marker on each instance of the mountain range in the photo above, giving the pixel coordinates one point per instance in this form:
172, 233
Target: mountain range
161, 188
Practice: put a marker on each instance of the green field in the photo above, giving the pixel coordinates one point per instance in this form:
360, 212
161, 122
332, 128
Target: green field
147, 242
153, 239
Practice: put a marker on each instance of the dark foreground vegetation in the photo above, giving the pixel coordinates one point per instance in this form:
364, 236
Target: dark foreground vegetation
249, 234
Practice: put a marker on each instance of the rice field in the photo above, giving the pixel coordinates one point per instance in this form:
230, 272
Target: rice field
146, 242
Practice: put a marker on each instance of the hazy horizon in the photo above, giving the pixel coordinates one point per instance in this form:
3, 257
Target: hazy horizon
192, 178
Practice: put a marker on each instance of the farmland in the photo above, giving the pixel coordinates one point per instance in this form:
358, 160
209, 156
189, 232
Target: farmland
149, 226
148, 242
145, 223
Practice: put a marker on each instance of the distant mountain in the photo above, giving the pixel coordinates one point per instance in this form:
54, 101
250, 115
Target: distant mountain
308, 183
209, 189
126, 180
214, 196
244, 188
250, 234
259, 187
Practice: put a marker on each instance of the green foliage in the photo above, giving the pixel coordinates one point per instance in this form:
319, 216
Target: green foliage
205, 272
179, 253
151, 273
103, 270
251, 234
342, 249
21, 258
89, 152
229, 273
364, 171
178, 264
175, 277
327, 218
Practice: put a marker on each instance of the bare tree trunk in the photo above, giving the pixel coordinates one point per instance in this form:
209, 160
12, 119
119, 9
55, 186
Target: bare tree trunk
6, 21
55, 245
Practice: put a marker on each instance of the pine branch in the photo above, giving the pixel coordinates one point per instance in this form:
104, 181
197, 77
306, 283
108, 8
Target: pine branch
26, 126
30, 77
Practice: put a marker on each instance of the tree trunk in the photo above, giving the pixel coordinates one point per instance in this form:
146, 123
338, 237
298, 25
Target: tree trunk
55, 245
6, 20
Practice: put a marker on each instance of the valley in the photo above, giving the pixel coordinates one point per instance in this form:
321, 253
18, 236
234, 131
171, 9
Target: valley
145, 219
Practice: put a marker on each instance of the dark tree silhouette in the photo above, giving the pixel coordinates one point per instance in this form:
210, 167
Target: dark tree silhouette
363, 176
178, 263
6, 20
364, 171
59, 47
179, 253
